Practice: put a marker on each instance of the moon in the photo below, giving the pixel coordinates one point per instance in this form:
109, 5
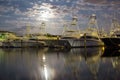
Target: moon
46, 15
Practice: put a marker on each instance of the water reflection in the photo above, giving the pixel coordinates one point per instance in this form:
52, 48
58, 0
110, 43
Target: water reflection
111, 58
88, 58
54, 64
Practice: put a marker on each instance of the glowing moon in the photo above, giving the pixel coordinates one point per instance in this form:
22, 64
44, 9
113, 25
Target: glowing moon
46, 15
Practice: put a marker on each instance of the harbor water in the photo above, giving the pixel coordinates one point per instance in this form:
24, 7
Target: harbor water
53, 64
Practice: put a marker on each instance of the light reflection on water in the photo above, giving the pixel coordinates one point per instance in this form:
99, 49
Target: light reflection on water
51, 64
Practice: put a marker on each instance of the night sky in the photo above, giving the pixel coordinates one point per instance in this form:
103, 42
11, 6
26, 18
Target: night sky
15, 15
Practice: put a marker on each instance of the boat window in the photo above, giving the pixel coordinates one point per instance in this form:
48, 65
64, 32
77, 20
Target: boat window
90, 37
68, 38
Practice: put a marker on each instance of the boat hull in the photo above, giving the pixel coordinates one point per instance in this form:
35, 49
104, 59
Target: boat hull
57, 43
91, 42
21, 44
76, 43
111, 41
73, 43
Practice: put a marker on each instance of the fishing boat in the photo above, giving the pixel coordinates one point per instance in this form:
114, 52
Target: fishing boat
91, 38
73, 37
88, 38
22, 44
91, 34
72, 34
113, 39
12, 40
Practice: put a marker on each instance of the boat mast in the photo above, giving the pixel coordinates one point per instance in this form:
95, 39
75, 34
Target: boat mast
27, 31
42, 28
114, 27
64, 29
93, 21
93, 26
74, 20
74, 23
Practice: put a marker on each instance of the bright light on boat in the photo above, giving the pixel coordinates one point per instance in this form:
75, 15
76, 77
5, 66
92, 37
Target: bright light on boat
103, 48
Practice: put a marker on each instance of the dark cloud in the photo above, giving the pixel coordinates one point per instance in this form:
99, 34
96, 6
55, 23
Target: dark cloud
103, 1
96, 1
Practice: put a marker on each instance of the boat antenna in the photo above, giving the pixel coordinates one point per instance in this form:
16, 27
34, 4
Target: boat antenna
93, 23
74, 20
74, 23
64, 28
114, 27
27, 30
42, 28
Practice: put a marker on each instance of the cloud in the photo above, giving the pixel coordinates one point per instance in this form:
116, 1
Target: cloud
5, 9
18, 12
97, 1
55, 13
104, 2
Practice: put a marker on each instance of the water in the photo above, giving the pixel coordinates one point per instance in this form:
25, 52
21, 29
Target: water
52, 64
